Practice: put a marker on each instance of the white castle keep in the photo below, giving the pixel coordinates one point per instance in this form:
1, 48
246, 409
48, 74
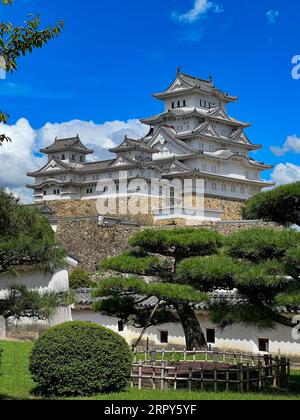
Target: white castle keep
193, 138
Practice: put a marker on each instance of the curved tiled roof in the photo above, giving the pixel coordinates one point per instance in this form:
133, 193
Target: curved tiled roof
73, 143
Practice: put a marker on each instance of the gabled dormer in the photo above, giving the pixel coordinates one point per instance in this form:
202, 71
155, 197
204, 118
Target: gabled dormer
136, 150
70, 150
190, 92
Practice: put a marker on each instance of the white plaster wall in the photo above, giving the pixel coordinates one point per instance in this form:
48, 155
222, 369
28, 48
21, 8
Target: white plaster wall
130, 334
2, 328
241, 338
238, 337
37, 280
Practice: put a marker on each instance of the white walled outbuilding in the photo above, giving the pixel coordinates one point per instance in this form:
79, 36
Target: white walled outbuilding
35, 278
237, 338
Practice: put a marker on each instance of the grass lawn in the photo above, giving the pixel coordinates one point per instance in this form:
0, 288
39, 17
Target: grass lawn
15, 383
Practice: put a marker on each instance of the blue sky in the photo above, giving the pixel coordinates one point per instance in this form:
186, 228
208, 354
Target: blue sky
114, 54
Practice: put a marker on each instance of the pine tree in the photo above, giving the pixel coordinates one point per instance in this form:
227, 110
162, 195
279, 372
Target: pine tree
258, 269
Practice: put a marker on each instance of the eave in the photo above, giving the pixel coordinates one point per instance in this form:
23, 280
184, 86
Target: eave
156, 119
66, 149
180, 92
192, 134
263, 184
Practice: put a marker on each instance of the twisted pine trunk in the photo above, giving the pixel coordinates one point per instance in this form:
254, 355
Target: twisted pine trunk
194, 336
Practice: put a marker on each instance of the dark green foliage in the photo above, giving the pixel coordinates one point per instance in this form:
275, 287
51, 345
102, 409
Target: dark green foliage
289, 298
80, 359
1, 353
20, 302
26, 237
178, 243
80, 279
281, 205
208, 273
292, 260
265, 274
164, 291
133, 263
261, 244
225, 314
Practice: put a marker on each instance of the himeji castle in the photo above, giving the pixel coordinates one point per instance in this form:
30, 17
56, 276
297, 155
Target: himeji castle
193, 138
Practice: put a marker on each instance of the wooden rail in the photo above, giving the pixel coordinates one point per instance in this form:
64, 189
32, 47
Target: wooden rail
213, 370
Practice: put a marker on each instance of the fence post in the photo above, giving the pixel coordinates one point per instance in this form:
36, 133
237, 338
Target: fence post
162, 377
276, 373
260, 374
190, 378
288, 372
227, 379
140, 375
175, 378
135, 355
248, 377
202, 380
242, 378
215, 380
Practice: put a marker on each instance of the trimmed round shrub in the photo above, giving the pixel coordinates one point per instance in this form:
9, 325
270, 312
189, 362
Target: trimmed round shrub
80, 279
80, 359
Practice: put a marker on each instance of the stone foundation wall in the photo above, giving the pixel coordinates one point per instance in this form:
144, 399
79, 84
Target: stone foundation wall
92, 243
232, 209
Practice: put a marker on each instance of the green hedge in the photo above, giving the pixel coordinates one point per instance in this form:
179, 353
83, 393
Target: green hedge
80, 279
80, 359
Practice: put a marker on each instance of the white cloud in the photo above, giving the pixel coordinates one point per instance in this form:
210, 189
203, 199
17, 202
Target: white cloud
286, 173
292, 144
99, 137
20, 156
200, 8
272, 16
17, 157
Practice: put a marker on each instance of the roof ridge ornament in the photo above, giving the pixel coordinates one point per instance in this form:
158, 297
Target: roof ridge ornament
179, 70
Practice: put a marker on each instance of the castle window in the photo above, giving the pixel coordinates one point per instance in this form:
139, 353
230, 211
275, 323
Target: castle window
81, 159
63, 157
56, 192
89, 191
120, 326
178, 104
264, 345
164, 337
173, 105
74, 158
45, 192
211, 336
184, 103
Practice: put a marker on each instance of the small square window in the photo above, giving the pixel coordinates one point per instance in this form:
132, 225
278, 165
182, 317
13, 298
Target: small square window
264, 345
211, 336
164, 337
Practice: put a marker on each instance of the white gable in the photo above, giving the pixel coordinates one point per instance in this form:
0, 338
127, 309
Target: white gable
53, 165
208, 130
167, 146
121, 161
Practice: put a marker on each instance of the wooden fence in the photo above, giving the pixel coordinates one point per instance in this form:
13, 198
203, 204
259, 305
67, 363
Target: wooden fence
209, 370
